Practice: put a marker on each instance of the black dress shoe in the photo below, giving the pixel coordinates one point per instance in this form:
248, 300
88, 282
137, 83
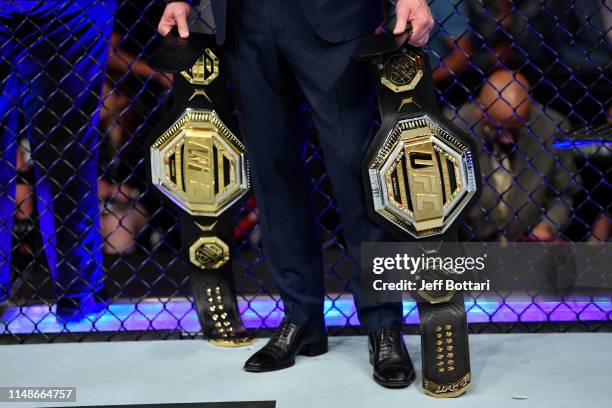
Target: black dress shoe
288, 340
389, 356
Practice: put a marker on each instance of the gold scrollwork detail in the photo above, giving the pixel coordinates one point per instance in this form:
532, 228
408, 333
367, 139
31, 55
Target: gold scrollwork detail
209, 253
402, 72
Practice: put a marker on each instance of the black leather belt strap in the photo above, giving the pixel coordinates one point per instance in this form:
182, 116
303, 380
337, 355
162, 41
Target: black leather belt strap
444, 339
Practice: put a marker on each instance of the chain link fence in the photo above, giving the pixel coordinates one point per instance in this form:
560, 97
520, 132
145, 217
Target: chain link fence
77, 102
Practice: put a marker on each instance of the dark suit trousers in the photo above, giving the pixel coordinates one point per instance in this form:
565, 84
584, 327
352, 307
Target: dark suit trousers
271, 47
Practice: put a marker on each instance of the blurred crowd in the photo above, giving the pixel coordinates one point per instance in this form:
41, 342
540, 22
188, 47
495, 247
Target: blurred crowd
518, 76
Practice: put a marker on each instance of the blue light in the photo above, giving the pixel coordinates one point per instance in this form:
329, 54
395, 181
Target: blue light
179, 314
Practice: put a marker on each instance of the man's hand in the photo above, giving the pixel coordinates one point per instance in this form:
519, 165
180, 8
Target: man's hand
175, 14
417, 13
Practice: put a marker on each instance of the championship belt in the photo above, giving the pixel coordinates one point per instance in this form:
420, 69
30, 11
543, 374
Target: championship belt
420, 176
197, 164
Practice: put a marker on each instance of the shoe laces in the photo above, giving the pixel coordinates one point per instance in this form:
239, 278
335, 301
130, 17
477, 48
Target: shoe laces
283, 330
389, 341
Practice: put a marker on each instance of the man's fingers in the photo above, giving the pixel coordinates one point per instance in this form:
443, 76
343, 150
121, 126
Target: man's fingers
175, 15
419, 41
401, 18
181, 21
419, 35
418, 14
164, 28
421, 27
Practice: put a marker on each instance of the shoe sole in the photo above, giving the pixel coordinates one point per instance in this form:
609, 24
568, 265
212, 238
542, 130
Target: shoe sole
312, 350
